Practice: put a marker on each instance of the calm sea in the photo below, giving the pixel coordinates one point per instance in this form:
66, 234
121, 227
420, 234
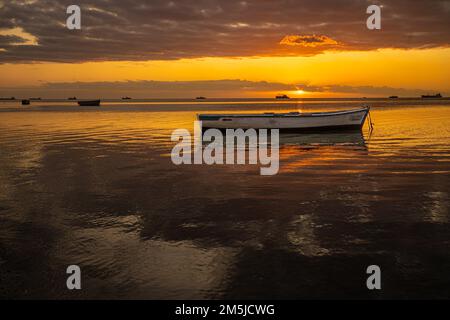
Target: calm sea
96, 187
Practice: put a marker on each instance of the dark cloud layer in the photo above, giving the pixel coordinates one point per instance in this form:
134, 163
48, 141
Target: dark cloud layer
148, 89
381, 91
191, 89
162, 29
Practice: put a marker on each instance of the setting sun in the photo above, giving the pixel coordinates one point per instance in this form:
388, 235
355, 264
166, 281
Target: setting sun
300, 92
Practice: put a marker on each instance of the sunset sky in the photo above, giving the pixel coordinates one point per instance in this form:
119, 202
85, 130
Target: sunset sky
253, 48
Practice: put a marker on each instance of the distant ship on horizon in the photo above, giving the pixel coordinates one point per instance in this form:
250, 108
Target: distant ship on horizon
436, 96
282, 96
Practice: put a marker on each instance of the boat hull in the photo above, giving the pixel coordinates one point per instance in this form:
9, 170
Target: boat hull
92, 103
349, 120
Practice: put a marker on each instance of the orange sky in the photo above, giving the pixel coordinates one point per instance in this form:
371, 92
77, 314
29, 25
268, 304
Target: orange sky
232, 48
408, 69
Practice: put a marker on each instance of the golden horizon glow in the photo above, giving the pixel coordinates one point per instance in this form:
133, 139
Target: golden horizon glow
300, 92
425, 69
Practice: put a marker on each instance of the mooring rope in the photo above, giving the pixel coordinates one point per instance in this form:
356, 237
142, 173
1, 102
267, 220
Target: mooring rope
370, 122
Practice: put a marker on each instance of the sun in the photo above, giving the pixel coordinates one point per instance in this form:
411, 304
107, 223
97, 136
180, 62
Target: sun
299, 92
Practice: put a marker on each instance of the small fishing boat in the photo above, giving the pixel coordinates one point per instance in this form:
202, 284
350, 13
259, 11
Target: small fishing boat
72, 98
25, 102
292, 121
200, 98
89, 103
282, 97
126, 98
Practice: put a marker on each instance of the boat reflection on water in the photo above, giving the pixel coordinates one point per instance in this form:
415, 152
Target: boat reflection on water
334, 152
348, 138
354, 138
301, 152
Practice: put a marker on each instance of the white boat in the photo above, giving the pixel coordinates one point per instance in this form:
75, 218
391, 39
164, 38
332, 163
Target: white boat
292, 121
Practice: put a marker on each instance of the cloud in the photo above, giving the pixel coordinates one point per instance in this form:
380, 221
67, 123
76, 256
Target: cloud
17, 36
162, 30
11, 39
150, 89
307, 40
232, 88
381, 91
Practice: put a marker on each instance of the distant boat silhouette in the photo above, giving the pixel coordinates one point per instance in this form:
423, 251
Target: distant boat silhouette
89, 103
72, 98
200, 98
436, 96
393, 97
25, 102
281, 97
126, 98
